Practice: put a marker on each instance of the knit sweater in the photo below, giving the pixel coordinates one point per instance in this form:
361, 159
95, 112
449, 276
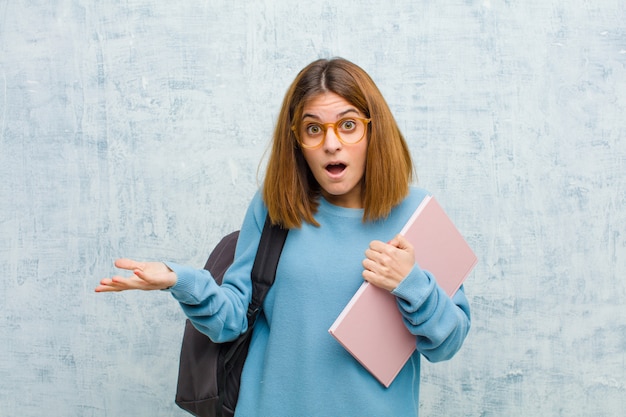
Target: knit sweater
294, 366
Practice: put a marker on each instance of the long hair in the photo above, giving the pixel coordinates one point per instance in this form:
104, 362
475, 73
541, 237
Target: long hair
290, 191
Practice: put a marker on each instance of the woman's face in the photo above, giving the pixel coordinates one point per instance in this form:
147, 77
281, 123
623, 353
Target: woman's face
337, 167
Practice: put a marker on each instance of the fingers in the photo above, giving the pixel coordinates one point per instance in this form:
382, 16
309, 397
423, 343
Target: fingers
105, 286
387, 264
383, 253
378, 277
117, 284
378, 265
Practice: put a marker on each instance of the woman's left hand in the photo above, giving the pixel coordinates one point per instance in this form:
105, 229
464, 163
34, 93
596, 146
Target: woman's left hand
387, 264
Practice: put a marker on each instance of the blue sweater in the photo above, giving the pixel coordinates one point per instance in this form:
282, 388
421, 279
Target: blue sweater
294, 366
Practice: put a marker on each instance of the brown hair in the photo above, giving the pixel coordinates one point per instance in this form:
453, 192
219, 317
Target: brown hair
291, 192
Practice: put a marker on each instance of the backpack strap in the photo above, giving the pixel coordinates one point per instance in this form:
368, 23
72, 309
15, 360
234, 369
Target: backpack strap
263, 274
265, 264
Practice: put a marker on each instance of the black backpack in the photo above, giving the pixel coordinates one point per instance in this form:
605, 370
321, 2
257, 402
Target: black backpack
209, 373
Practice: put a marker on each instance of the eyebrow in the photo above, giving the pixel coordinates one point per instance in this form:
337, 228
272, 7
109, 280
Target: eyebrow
339, 115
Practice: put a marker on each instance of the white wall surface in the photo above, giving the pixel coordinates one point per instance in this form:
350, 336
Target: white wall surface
135, 128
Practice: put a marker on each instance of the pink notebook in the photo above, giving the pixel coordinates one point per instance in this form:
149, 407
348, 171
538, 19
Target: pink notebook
370, 327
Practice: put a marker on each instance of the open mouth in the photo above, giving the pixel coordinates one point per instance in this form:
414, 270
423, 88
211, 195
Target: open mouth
335, 169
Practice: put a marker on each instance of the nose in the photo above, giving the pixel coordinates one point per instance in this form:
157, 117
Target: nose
331, 141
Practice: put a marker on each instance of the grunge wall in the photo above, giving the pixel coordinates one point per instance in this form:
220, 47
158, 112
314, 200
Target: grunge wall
136, 129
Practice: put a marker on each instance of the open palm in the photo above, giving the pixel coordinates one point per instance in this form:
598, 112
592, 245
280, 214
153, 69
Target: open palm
146, 276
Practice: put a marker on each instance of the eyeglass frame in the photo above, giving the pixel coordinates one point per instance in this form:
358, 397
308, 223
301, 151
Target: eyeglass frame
325, 126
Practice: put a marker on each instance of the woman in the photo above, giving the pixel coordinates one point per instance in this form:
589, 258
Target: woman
339, 178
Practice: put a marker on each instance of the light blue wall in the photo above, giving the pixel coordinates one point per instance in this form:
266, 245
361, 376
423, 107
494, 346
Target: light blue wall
135, 128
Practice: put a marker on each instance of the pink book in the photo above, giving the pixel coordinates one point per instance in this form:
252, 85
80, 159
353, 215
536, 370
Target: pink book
371, 327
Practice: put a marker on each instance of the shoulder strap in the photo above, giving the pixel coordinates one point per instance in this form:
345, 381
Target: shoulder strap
265, 263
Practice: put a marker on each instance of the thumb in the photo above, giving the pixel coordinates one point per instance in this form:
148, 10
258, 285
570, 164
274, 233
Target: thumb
400, 242
128, 264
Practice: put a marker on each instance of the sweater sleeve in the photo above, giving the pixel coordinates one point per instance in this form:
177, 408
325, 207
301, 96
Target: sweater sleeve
440, 323
220, 311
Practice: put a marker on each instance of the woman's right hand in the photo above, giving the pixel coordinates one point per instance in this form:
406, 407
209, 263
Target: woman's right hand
146, 276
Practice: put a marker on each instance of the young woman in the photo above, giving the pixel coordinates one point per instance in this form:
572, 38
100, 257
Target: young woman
338, 178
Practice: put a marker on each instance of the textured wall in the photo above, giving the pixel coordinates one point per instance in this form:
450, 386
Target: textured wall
135, 128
